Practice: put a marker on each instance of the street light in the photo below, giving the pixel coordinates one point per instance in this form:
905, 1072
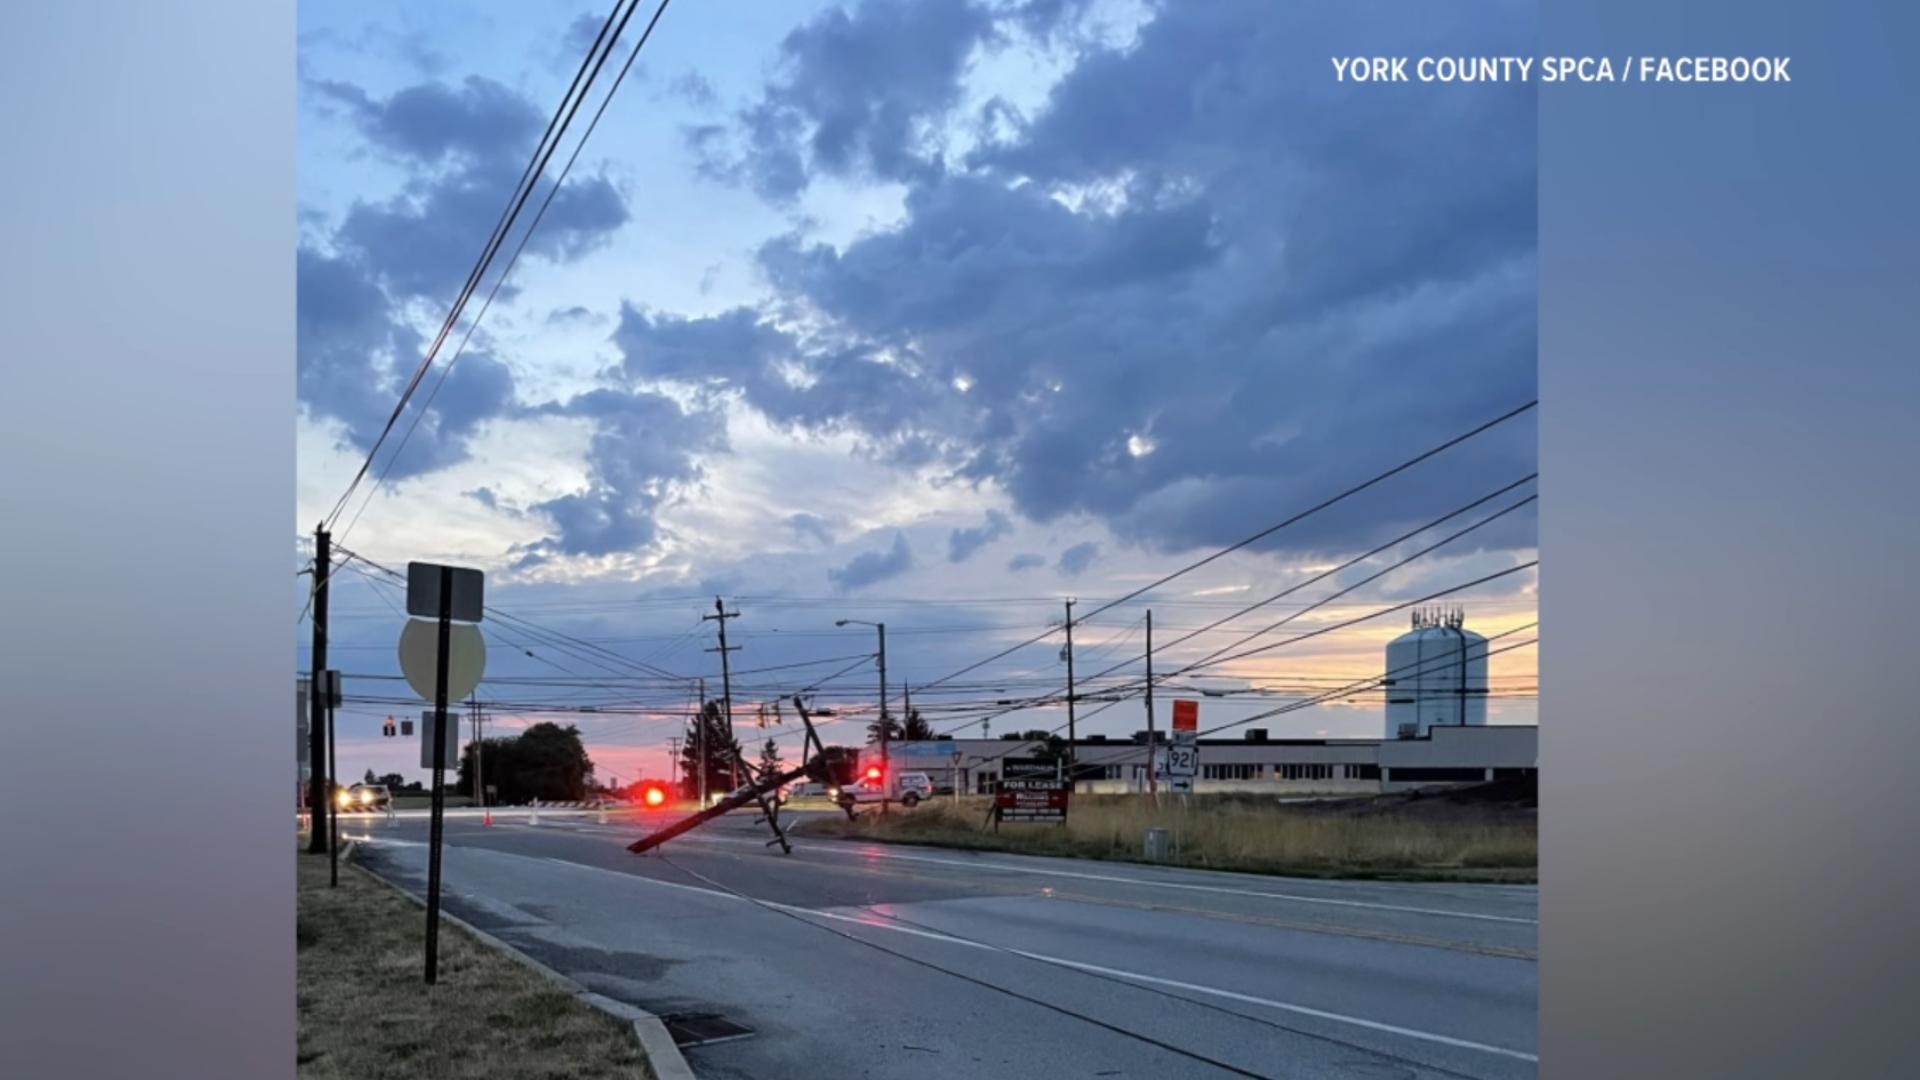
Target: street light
885, 771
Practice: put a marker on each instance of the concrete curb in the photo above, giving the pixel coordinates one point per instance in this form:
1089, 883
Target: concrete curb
664, 1059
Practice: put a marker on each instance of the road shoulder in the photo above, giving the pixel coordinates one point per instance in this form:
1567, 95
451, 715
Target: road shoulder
365, 1013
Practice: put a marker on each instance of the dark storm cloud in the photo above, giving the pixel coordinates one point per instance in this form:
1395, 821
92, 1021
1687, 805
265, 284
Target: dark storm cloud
855, 91
962, 543
353, 349
694, 89
1075, 560
644, 451
870, 567
1202, 287
812, 526
464, 147
433, 123
1021, 563
816, 383
583, 31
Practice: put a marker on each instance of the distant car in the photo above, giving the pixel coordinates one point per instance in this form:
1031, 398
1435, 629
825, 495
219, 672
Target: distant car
910, 789
368, 797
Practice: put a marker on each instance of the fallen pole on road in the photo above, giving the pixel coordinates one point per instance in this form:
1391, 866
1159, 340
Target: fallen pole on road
763, 790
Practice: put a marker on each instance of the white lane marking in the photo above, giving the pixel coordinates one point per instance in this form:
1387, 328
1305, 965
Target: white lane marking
879, 922
978, 864
1284, 1006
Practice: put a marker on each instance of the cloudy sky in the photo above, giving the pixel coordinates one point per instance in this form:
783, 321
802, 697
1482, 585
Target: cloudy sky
933, 313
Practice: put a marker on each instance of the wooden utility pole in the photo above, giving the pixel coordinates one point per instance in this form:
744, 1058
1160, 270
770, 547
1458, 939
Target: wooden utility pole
1073, 750
319, 800
1153, 788
721, 615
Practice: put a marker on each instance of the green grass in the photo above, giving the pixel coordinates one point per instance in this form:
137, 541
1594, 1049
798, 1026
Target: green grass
366, 1014
1382, 839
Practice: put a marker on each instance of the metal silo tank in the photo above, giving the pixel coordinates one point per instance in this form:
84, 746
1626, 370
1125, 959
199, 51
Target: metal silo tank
1436, 674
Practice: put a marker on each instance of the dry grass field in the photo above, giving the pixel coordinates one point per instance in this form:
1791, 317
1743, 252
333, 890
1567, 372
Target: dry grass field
1458, 836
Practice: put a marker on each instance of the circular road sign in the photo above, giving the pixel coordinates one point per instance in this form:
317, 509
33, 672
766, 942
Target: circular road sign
419, 657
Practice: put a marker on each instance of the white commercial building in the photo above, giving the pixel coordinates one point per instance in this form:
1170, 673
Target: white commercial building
1251, 764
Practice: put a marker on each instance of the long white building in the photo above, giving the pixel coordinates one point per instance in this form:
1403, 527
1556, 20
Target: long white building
1253, 763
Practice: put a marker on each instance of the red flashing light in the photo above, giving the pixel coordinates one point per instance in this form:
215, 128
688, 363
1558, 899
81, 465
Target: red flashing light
873, 772
654, 796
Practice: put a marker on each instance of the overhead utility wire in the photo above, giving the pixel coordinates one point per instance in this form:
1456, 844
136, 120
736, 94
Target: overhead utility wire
526, 235
1383, 611
1262, 534
529, 178
1049, 699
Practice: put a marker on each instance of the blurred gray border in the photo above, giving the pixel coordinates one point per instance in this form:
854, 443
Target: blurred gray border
1728, 401
146, 425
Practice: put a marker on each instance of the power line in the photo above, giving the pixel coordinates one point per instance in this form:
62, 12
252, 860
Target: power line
526, 235
1324, 600
536, 165
1263, 533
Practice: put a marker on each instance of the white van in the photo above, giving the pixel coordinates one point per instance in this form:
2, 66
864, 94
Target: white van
908, 788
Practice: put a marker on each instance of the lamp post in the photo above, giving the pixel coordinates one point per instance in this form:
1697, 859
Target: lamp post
886, 774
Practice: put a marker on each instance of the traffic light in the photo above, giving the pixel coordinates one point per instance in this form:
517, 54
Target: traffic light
654, 795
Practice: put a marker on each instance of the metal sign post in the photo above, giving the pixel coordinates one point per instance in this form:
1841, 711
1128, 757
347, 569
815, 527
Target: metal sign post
446, 592
1183, 757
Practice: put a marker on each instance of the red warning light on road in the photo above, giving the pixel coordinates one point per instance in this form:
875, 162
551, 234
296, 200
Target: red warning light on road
654, 796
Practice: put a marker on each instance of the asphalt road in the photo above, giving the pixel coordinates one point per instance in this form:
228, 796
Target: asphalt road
850, 960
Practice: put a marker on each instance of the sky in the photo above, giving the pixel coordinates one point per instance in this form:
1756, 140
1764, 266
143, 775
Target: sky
935, 314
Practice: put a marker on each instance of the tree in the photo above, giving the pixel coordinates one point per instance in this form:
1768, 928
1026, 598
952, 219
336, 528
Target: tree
370, 778
916, 728
884, 723
770, 764
393, 781
546, 761
721, 748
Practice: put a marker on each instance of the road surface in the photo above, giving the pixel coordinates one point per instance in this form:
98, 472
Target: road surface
848, 960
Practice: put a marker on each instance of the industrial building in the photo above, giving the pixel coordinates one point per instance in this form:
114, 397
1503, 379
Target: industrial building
1436, 734
1253, 763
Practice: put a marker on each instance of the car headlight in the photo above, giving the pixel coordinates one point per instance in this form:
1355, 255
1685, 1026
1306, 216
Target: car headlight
366, 796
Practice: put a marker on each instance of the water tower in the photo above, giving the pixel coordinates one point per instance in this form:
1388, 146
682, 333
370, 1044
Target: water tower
1436, 674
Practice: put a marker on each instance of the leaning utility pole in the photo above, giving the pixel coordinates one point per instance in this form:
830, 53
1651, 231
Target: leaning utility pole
673, 761
1153, 788
1073, 752
317, 802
